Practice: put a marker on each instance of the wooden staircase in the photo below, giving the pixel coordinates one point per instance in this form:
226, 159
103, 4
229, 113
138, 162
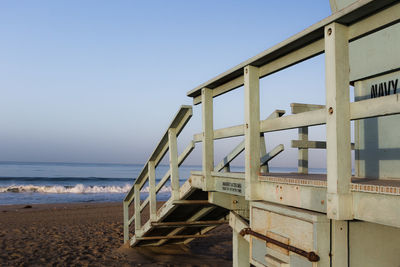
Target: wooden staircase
186, 215
190, 212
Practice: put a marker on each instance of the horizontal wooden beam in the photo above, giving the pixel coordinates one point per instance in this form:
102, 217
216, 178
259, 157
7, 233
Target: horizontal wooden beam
311, 144
300, 107
171, 237
363, 17
187, 224
191, 202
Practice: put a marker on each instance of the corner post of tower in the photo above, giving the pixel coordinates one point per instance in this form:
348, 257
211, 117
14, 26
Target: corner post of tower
339, 197
252, 130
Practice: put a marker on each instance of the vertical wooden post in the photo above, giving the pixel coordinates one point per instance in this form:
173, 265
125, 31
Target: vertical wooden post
252, 130
240, 250
138, 221
126, 220
152, 190
303, 152
339, 204
339, 244
208, 137
173, 163
263, 151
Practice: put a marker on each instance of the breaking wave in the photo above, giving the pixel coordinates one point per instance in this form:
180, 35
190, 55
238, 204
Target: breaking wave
76, 189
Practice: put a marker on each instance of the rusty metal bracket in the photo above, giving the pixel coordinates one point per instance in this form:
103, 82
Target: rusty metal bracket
311, 256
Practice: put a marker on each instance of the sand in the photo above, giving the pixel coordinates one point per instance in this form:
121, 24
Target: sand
91, 235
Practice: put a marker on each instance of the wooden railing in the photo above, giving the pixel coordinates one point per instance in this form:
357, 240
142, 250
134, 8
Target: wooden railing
167, 143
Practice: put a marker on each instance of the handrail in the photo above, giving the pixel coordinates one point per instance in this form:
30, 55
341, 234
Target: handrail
180, 120
304, 45
178, 123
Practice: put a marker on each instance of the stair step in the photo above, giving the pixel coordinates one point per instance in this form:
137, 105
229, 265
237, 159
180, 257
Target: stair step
187, 224
171, 237
191, 202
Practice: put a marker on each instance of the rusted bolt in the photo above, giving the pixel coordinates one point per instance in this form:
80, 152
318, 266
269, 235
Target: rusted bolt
190, 180
280, 198
329, 31
235, 201
247, 125
322, 202
297, 188
280, 187
330, 110
246, 70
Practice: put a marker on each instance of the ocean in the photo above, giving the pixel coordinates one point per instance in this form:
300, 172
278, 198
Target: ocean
33, 183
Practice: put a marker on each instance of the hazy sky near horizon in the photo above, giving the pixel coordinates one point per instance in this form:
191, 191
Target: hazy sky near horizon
99, 81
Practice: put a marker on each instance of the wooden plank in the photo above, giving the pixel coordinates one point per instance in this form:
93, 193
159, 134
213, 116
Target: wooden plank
300, 107
152, 190
306, 43
204, 211
338, 122
381, 106
303, 152
312, 144
138, 223
272, 154
231, 156
172, 237
208, 137
310, 118
126, 221
173, 163
180, 120
252, 130
191, 202
187, 224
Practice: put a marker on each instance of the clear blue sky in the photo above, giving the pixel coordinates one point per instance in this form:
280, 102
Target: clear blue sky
99, 81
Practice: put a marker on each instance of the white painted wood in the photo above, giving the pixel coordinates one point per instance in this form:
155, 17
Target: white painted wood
252, 130
312, 144
152, 190
272, 154
360, 25
301, 107
339, 244
138, 220
126, 221
310, 118
338, 122
208, 136
231, 156
173, 163
195, 217
263, 151
381, 106
303, 152
240, 250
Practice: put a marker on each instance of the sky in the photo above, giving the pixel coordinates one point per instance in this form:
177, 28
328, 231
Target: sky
100, 81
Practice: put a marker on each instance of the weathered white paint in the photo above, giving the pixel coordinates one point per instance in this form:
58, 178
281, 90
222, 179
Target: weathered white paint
152, 190
208, 136
252, 130
338, 122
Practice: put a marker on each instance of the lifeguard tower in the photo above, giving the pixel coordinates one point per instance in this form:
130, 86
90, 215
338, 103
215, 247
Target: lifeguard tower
337, 218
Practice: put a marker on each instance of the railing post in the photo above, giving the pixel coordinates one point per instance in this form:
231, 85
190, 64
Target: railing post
126, 220
208, 137
339, 204
303, 152
252, 130
173, 163
152, 190
138, 221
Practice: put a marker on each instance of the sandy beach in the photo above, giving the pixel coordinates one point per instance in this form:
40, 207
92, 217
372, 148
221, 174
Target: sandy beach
91, 235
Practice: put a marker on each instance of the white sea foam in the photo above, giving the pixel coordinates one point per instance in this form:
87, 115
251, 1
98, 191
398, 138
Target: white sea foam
77, 189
